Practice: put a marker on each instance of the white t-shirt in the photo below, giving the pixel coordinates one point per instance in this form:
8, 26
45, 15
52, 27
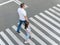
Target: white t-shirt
21, 13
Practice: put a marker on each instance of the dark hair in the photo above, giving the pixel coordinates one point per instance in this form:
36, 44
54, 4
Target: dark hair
21, 5
26, 25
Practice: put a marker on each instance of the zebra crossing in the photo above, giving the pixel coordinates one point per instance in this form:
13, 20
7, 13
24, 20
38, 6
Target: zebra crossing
54, 11
1, 42
50, 18
22, 35
55, 36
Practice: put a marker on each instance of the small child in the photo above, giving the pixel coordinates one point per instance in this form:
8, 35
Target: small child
28, 31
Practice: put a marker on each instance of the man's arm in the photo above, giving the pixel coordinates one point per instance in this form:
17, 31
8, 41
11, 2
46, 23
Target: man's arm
26, 18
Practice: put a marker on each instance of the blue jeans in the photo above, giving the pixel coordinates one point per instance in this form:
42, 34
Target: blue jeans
19, 25
27, 35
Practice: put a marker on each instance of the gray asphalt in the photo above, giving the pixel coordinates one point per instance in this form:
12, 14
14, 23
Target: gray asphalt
8, 12
9, 17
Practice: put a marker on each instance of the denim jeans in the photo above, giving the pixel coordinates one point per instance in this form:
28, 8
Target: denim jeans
19, 25
27, 35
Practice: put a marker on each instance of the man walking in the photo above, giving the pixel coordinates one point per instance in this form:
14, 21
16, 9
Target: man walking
22, 16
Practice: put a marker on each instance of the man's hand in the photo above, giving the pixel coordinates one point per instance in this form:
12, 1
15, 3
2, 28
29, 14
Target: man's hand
26, 18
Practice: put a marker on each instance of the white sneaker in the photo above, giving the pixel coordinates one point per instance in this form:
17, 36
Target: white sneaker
26, 42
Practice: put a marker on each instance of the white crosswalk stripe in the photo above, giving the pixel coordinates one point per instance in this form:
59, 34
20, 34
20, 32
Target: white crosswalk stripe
58, 5
31, 42
52, 10
22, 35
19, 2
56, 8
6, 38
51, 20
16, 1
41, 33
34, 36
6, 2
50, 32
14, 37
2, 42
37, 38
49, 13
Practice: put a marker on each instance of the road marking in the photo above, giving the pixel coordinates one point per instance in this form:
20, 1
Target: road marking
22, 35
34, 36
51, 33
18, 2
49, 13
2, 43
58, 5
42, 34
6, 38
30, 42
6, 2
51, 20
14, 37
56, 8
37, 38
52, 10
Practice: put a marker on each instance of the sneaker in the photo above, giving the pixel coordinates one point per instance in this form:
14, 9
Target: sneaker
26, 42
18, 32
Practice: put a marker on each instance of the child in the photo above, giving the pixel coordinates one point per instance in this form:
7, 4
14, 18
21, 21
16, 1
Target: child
28, 31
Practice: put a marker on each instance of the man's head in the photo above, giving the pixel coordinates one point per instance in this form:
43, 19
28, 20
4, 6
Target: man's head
22, 5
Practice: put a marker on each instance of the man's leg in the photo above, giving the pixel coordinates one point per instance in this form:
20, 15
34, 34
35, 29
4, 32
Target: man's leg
19, 26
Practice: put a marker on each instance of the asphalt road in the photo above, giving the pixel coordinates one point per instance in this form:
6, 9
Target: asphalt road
8, 12
9, 17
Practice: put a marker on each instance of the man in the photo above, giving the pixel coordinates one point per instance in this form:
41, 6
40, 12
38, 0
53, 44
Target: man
22, 16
